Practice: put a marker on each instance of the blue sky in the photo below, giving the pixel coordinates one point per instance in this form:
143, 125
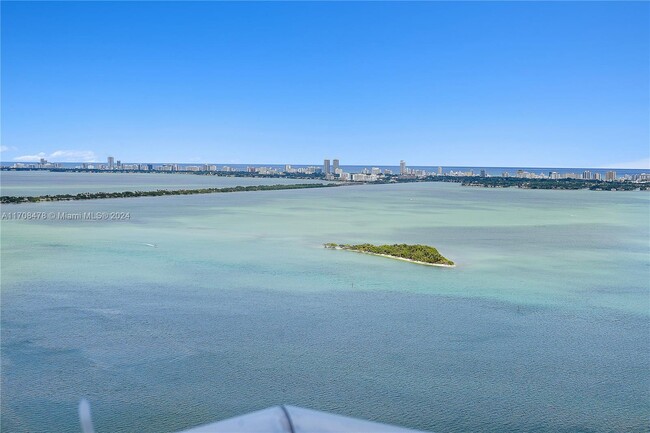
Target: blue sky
481, 83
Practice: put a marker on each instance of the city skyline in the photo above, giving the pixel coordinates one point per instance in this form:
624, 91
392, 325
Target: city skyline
112, 163
333, 170
457, 84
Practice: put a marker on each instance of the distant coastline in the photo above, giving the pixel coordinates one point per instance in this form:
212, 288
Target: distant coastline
157, 193
638, 182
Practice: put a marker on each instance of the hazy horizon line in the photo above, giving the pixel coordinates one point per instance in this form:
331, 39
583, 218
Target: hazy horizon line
612, 167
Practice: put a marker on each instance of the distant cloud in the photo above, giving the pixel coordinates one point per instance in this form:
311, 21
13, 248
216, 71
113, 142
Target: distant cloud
73, 156
640, 164
30, 158
60, 156
6, 148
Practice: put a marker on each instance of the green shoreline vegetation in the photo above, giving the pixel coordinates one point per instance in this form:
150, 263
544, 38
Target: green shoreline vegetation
5, 199
566, 184
524, 183
217, 173
422, 254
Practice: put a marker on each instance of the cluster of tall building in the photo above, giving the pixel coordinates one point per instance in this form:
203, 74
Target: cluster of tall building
327, 169
336, 172
333, 171
609, 176
43, 163
112, 164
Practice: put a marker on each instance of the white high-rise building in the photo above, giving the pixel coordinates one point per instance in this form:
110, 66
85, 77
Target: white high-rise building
335, 165
326, 166
111, 162
402, 167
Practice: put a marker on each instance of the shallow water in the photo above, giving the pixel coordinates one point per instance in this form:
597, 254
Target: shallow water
543, 325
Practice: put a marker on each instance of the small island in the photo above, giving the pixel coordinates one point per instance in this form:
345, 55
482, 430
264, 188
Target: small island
420, 254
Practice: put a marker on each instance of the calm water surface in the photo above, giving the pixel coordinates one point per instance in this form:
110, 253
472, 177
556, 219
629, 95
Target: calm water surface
30, 183
543, 326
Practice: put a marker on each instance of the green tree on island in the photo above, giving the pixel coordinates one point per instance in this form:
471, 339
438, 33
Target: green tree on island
418, 253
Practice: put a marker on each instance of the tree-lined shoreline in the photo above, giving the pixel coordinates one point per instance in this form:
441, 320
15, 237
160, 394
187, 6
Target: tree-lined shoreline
6, 199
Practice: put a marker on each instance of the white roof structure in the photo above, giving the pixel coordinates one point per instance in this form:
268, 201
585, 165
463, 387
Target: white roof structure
277, 419
292, 419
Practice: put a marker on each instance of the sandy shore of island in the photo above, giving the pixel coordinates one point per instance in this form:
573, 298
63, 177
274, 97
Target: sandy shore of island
440, 265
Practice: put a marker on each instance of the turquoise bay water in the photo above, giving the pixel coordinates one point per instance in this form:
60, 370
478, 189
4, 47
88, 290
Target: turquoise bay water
543, 326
